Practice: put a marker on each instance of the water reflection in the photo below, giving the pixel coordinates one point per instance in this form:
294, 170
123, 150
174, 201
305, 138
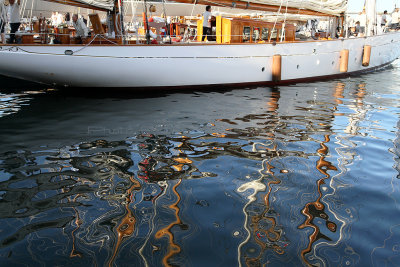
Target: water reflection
11, 103
279, 183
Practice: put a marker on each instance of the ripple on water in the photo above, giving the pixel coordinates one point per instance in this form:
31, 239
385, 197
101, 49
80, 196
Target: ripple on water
294, 176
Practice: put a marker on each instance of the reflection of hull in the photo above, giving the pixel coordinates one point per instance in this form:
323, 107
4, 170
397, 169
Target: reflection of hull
193, 64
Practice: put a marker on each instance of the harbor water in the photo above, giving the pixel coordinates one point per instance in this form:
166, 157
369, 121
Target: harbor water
298, 175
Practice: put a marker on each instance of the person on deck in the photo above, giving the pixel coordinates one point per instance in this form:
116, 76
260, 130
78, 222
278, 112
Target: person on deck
207, 23
67, 19
362, 19
357, 29
3, 21
82, 31
53, 18
384, 19
15, 20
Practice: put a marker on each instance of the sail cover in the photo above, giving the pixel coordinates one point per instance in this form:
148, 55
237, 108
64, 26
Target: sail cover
103, 4
331, 7
306, 7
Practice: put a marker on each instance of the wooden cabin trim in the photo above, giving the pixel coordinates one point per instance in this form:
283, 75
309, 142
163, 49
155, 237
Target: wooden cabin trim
187, 44
233, 30
172, 44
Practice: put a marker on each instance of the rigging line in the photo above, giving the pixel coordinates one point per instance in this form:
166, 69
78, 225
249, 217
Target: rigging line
194, 4
166, 22
21, 12
30, 17
276, 20
121, 20
133, 8
125, 11
283, 35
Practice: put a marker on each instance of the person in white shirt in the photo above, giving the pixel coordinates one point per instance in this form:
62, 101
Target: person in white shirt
206, 23
15, 20
60, 19
384, 19
362, 18
3, 21
53, 19
82, 31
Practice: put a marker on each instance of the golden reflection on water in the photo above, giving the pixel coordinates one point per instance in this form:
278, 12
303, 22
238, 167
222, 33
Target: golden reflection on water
316, 208
127, 225
78, 223
173, 248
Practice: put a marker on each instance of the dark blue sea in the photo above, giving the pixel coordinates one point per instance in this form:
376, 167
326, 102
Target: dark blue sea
299, 175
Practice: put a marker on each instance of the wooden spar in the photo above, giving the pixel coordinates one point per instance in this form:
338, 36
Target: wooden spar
147, 23
254, 6
77, 4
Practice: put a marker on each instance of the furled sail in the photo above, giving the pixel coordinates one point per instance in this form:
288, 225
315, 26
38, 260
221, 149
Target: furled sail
91, 4
106, 4
331, 7
305, 7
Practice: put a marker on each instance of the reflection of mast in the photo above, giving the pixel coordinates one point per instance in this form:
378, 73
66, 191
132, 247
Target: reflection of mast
397, 150
316, 208
346, 156
257, 221
273, 105
176, 166
258, 232
360, 111
173, 248
127, 225
164, 186
78, 223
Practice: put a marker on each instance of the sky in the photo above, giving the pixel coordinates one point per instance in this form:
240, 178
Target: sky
381, 5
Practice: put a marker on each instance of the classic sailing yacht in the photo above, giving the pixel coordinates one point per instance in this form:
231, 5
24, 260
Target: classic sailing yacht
246, 51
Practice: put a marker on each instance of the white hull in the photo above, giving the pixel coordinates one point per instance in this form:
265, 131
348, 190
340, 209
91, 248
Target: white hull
190, 64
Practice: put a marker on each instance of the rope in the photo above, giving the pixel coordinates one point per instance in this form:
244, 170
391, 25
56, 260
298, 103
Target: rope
194, 4
276, 20
283, 35
91, 41
17, 48
168, 30
23, 5
30, 17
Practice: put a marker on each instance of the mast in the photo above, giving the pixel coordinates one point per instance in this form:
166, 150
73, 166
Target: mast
147, 28
370, 13
121, 20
